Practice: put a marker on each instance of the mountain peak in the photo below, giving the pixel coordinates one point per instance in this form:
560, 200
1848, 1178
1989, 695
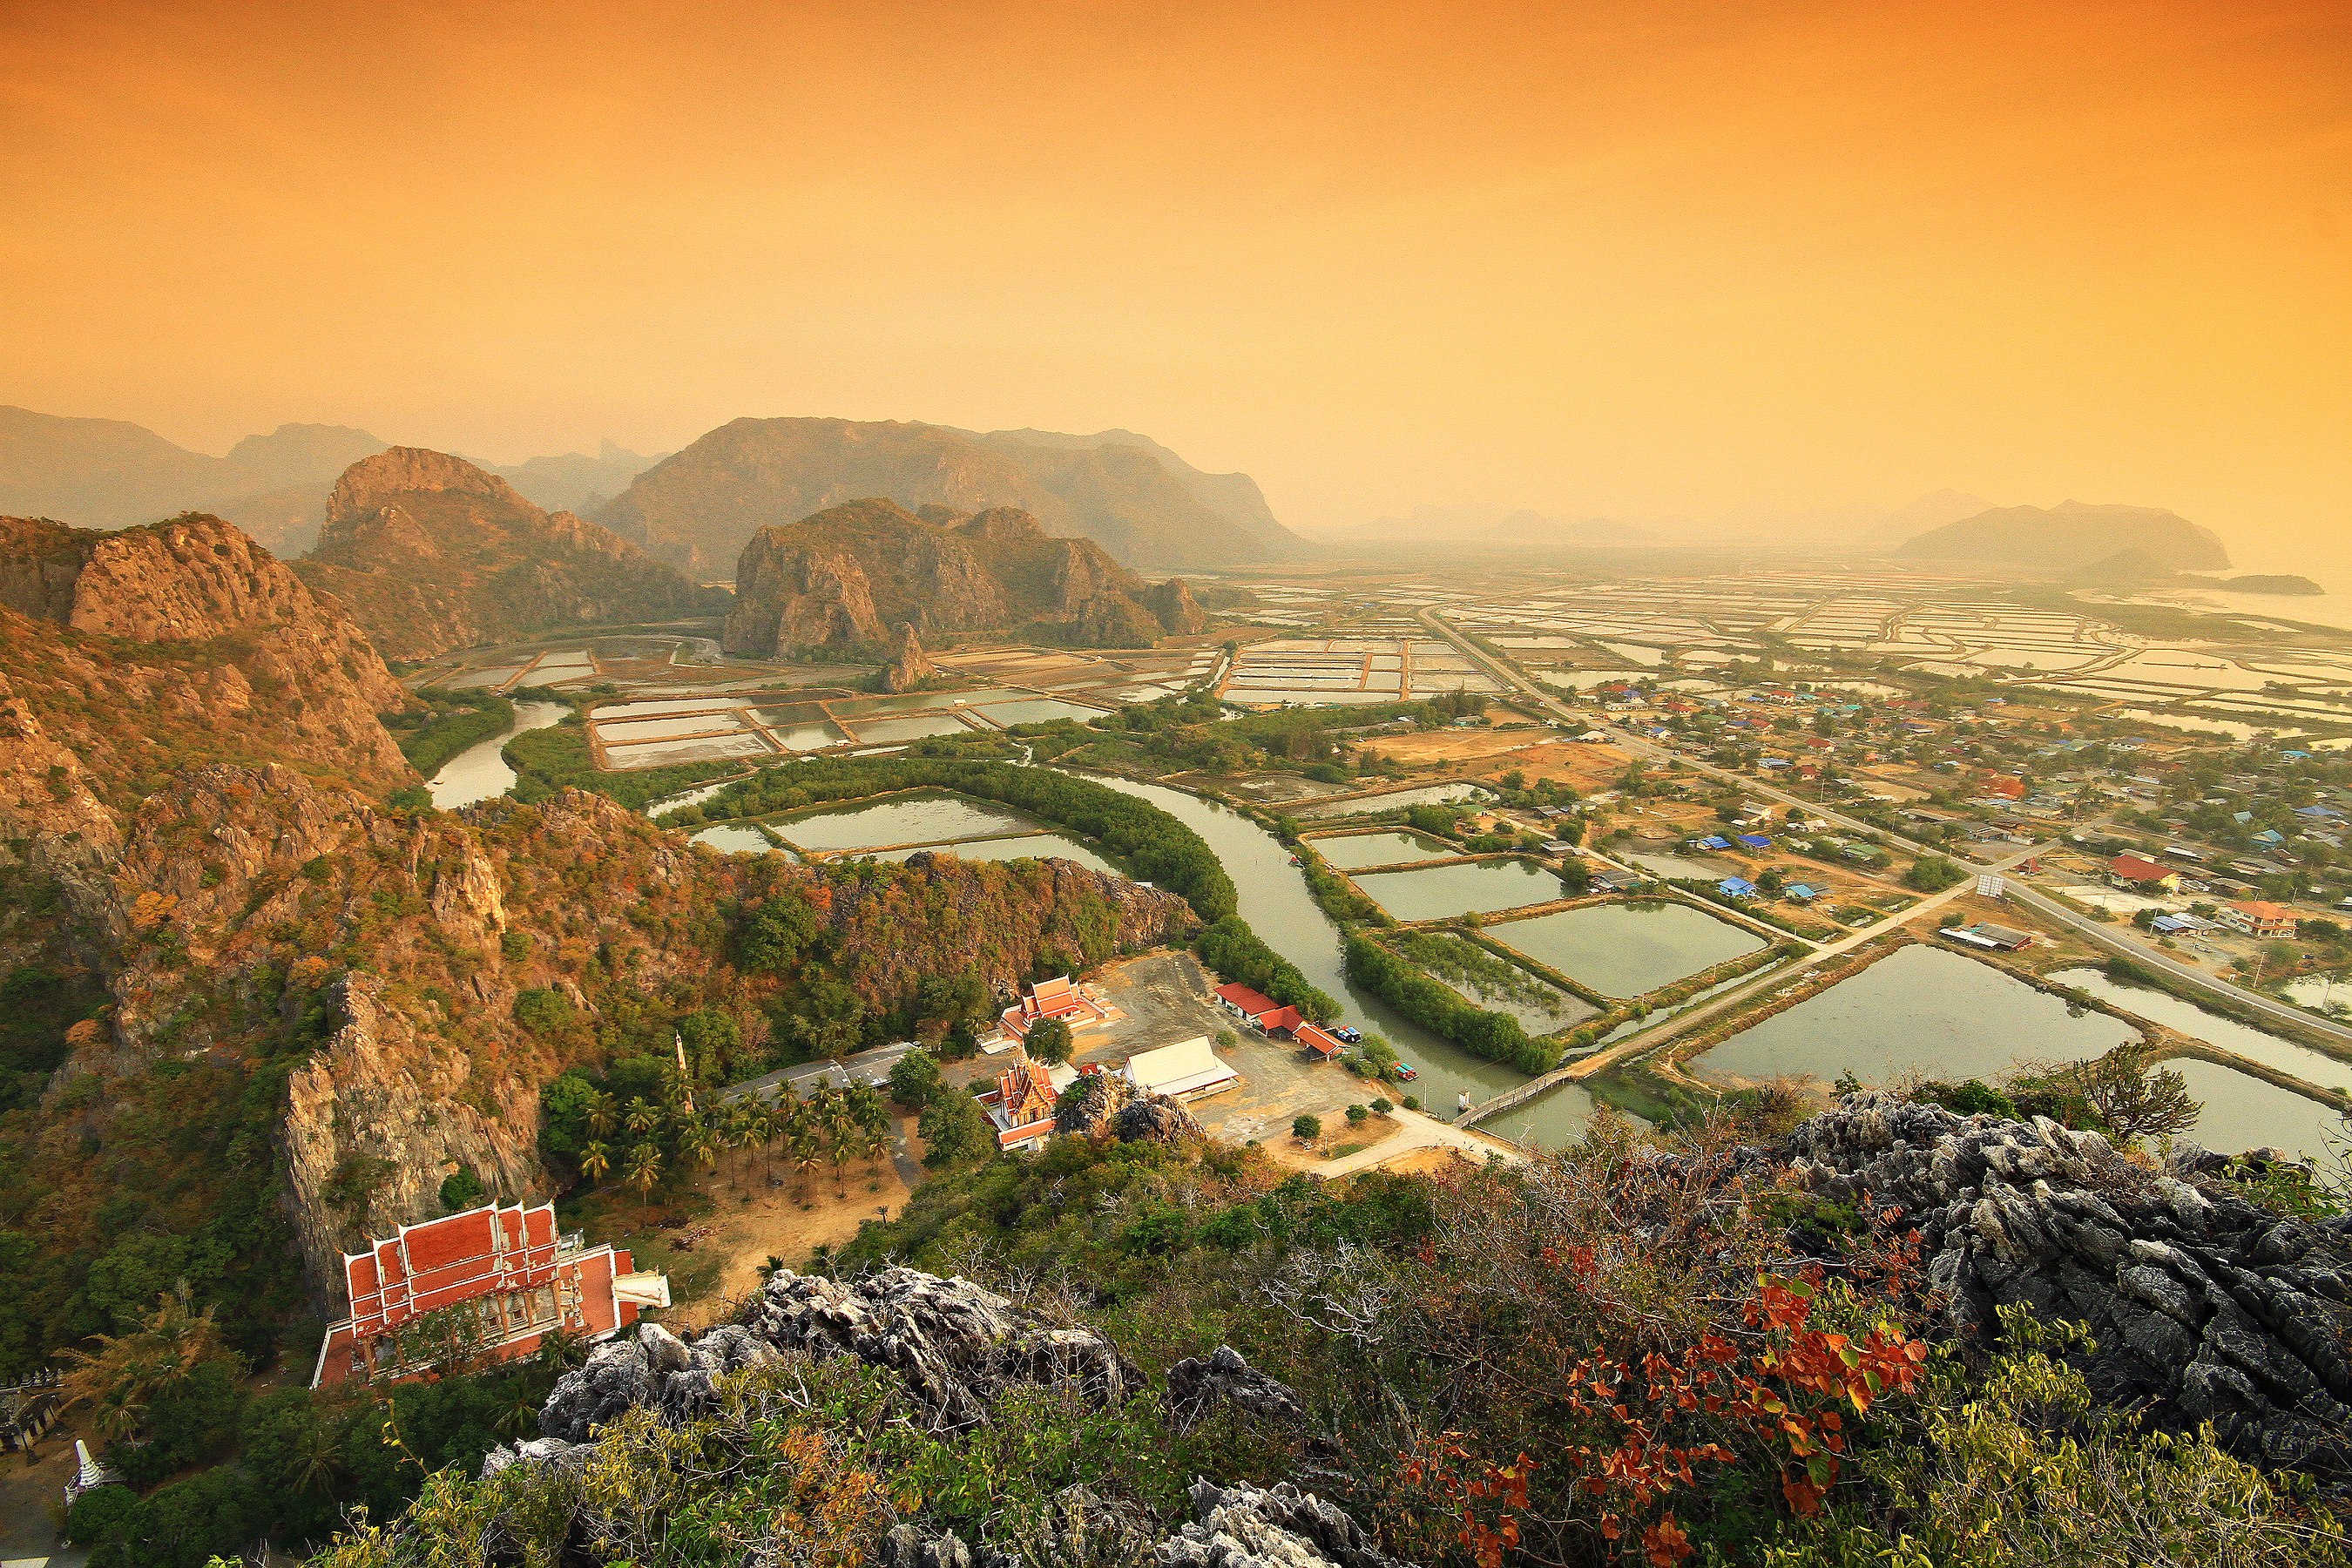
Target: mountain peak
373, 482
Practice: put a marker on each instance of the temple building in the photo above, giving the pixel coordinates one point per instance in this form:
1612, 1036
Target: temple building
1021, 1104
517, 1277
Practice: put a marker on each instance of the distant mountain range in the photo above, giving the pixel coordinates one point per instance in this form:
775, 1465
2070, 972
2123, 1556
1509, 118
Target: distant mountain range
699, 507
2071, 536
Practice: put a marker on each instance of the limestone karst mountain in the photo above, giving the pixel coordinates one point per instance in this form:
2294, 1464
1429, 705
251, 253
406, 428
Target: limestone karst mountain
2072, 535
848, 575
699, 508
433, 554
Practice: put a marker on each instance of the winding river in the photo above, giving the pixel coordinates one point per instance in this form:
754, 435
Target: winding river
478, 773
1275, 901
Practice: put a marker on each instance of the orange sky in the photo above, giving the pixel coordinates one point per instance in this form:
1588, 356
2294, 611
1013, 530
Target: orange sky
1634, 258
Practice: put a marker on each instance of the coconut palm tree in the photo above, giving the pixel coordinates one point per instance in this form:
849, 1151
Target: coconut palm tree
645, 1169
122, 1373
642, 1118
699, 1144
604, 1115
595, 1162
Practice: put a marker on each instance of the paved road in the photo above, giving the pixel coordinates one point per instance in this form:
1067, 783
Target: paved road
2102, 935
2113, 940
1417, 1132
871, 1066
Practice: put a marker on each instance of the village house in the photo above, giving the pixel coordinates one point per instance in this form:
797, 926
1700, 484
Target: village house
513, 1276
2141, 874
2254, 917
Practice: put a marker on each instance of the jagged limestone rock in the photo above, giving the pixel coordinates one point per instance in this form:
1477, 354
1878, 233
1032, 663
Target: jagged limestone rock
1249, 1527
1198, 1383
2204, 1306
1105, 1105
909, 665
956, 1346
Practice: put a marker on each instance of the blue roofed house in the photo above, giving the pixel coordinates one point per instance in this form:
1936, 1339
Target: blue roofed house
1754, 841
1735, 887
2270, 835
1801, 892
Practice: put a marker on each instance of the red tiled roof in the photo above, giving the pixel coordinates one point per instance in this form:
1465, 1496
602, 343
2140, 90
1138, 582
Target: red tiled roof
2137, 869
1316, 1039
1251, 1002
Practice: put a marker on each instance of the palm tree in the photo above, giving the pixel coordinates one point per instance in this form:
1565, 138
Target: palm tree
604, 1115
642, 1118
595, 1161
699, 1144
118, 1377
645, 1168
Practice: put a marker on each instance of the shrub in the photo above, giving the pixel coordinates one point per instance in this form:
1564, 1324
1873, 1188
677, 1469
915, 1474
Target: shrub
461, 1189
1381, 1106
542, 1010
1306, 1129
1357, 1116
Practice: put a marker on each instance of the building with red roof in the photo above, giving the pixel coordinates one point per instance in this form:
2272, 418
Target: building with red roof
1320, 1040
1258, 1010
1060, 997
517, 1276
2142, 874
2257, 917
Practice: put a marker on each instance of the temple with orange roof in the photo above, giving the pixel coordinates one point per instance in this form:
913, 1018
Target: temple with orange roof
1023, 1102
1060, 997
520, 1278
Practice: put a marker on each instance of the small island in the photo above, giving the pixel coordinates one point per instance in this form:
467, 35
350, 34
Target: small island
2257, 582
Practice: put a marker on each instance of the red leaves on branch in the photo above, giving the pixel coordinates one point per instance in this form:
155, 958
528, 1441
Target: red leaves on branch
1671, 1414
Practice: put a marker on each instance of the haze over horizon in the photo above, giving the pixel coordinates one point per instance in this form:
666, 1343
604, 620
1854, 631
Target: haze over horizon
1613, 263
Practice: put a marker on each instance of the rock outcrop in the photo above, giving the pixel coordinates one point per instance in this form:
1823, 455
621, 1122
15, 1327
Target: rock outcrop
1105, 1105
1245, 1526
2204, 1306
838, 579
909, 666
1172, 604
434, 553
1197, 1384
956, 1347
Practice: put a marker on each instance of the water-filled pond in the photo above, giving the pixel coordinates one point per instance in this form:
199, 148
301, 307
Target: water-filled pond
1275, 900
922, 726
1381, 849
914, 702
738, 837
1920, 1010
1037, 711
1029, 846
810, 735
2311, 1064
2243, 1112
620, 733
1427, 795
1627, 949
479, 772
1436, 892
661, 753
901, 819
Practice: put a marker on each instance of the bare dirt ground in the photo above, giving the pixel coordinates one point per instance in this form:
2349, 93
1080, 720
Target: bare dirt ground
1484, 754
32, 1498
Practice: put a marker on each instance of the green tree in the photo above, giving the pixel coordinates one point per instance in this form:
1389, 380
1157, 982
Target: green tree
1305, 1128
956, 1131
1049, 1041
643, 1170
914, 1079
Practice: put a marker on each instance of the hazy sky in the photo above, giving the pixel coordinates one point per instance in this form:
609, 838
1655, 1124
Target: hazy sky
1635, 258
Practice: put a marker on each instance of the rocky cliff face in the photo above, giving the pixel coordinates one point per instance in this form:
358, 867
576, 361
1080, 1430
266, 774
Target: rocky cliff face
1172, 604
434, 553
700, 508
147, 650
842, 577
